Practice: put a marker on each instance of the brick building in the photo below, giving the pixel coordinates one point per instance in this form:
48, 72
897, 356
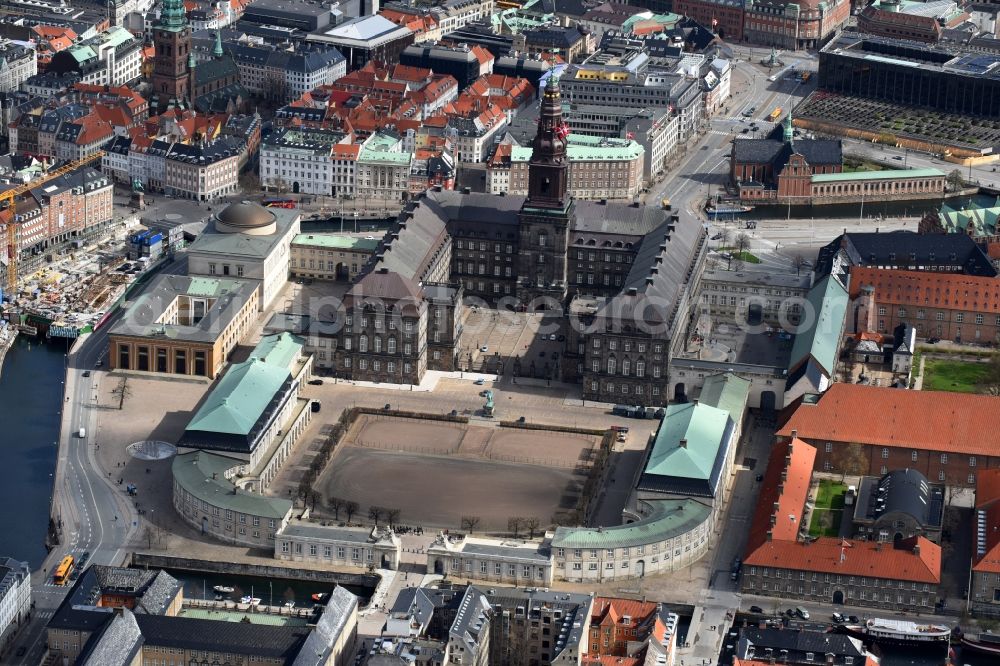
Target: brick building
807, 24
984, 591
724, 16
618, 625
782, 560
945, 436
950, 306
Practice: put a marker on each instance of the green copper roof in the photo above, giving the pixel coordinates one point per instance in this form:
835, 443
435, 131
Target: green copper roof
203, 474
334, 241
172, 16
876, 175
702, 428
728, 392
668, 518
584, 148
242, 395
382, 148
827, 310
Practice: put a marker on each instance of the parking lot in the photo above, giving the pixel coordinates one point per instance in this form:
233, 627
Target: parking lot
512, 343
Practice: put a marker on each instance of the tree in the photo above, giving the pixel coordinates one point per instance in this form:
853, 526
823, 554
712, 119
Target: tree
725, 237
315, 497
954, 180
531, 524
335, 504
249, 181
392, 515
122, 391
852, 459
350, 508
799, 261
374, 513
514, 525
742, 242
469, 523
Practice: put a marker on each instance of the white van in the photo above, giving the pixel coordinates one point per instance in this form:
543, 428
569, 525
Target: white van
83, 433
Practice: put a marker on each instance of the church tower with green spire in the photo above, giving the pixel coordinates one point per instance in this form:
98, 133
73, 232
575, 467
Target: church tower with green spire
172, 42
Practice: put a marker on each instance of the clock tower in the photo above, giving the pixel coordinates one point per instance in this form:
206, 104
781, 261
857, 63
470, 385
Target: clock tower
546, 215
172, 43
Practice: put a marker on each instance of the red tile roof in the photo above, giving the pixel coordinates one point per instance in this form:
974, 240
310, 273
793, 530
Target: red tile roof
949, 291
783, 493
988, 500
482, 55
860, 558
880, 416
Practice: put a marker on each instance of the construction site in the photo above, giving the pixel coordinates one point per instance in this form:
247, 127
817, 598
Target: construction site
69, 260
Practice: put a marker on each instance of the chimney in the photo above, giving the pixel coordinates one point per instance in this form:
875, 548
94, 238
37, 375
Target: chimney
916, 549
695, 401
769, 535
683, 443
795, 433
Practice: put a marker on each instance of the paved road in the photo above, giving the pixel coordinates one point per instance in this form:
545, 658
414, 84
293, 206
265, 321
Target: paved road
95, 513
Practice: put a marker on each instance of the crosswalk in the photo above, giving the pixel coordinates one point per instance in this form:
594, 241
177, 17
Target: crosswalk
44, 615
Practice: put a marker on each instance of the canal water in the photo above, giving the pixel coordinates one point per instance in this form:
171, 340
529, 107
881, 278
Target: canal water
271, 591
31, 394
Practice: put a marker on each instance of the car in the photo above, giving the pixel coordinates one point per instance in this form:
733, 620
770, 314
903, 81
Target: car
484, 348
802, 612
898, 157
756, 609
744, 131
479, 382
790, 612
369, 238
716, 236
933, 341
553, 337
837, 617
86, 373
853, 619
316, 382
99, 364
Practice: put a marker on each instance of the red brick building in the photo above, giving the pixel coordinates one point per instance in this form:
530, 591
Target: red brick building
793, 25
724, 17
782, 561
950, 306
859, 429
616, 625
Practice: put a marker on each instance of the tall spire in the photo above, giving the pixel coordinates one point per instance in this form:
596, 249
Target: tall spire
547, 171
172, 15
217, 51
789, 132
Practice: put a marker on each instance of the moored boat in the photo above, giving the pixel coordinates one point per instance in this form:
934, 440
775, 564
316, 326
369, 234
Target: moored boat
900, 632
223, 589
984, 643
727, 209
321, 597
253, 601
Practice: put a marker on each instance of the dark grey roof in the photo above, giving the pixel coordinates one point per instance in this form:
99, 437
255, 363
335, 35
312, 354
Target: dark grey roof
906, 249
905, 491
384, 284
79, 610
214, 70
117, 645
754, 643
616, 218
413, 602
475, 210
213, 636
777, 152
410, 247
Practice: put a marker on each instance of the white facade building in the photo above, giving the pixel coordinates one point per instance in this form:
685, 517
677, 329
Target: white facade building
17, 63
15, 597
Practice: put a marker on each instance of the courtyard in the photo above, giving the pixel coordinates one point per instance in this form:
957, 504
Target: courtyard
435, 473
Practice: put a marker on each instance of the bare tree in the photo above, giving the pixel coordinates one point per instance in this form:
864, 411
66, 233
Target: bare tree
514, 525
742, 242
350, 508
374, 513
122, 391
725, 237
315, 497
335, 504
954, 180
531, 524
799, 261
852, 459
249, 181
392, 515
469, 523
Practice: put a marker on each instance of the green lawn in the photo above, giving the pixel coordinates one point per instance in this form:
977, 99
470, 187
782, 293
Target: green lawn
955, 376
851, 166
744, 256
829, 508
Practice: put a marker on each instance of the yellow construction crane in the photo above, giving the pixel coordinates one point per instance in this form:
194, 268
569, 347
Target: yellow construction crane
8, 202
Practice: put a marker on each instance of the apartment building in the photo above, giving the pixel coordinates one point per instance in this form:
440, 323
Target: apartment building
112, 57
18, 63
308, 161
383, 168
15, 598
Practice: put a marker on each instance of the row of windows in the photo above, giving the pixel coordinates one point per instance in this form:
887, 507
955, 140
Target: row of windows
627, 346
626, 367
625, 389
863, 581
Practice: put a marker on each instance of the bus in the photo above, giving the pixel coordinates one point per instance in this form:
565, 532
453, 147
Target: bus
278, 202
63, 571
775, 114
